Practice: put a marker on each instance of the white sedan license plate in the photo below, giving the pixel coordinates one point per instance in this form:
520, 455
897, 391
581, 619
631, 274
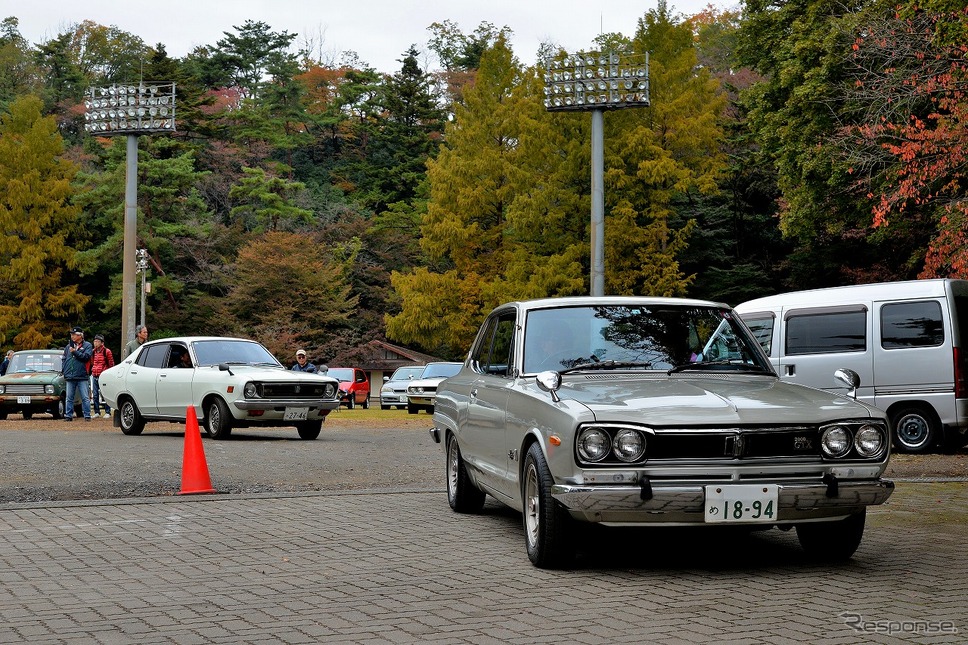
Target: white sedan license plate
296, 414
742, 503
23, 399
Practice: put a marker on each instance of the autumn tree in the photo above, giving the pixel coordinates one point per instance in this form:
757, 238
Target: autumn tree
37, 221
290, 291
910, 147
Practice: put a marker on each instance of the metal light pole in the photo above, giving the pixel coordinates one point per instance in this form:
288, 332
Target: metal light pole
143, 270
595, 82
131, 110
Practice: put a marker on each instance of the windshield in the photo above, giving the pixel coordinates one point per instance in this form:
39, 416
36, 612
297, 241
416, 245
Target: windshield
341, 373
233, 352
651, 337
440, 370
35, 363
406, 373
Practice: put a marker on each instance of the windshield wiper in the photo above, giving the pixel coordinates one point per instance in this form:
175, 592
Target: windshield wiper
732, 362
596, 364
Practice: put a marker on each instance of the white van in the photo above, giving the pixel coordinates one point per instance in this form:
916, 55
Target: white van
908, 341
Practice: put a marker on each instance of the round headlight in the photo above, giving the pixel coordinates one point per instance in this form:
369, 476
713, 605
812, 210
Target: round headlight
629, 445
835, 441
330, 391
250, 391
593, 444
48, 389
3, 389
869, 441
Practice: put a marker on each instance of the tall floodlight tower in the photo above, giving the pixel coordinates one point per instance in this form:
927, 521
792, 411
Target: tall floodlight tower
130, 110
595, 82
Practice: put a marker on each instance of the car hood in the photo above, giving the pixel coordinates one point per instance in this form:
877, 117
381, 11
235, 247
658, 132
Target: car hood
426, 382
695, 400
30, 377
242, 372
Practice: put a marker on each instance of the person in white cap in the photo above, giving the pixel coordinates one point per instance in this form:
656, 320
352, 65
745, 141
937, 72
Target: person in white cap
302, 363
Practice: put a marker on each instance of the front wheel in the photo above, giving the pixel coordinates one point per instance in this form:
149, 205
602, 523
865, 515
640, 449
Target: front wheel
832, 541
351, 402
131, 420
309, 429
57, 411
546, 522
462, 495
218, 419
914, 430
412, 409
27, 414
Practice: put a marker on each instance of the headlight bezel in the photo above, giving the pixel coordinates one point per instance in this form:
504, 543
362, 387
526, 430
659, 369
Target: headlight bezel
612, 432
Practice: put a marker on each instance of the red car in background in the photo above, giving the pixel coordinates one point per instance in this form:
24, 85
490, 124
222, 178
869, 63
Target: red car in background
354, 386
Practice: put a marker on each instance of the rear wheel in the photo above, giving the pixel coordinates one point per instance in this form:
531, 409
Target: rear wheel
309, 429
546, 522
218, 419
832, 541
28, 414
131, 420
462, 495
914, 429
366, 402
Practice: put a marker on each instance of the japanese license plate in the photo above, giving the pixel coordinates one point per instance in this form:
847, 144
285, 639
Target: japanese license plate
23, 399
742, 503
296, 414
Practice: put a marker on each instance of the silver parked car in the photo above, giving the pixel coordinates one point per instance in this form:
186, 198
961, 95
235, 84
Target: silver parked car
422, 390
652, 411
231, 382
394, 390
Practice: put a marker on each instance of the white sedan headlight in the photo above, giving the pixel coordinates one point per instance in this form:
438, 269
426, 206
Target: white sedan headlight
629, 445
835, 441
593, 444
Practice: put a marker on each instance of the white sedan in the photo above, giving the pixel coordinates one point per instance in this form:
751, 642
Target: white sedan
231, 382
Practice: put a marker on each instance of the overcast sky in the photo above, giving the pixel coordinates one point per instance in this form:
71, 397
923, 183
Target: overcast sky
379, 31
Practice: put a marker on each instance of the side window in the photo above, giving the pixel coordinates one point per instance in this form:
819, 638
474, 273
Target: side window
762, 327
154, 356
482, 351
502, 347
826, 332
911, 324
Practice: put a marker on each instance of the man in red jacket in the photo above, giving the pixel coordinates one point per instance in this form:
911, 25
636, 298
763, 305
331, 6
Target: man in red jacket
101, 359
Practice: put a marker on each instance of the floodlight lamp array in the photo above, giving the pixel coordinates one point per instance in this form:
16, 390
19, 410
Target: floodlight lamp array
130, 109
596, 81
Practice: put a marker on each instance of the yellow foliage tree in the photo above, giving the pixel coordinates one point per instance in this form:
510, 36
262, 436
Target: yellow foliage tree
36, 217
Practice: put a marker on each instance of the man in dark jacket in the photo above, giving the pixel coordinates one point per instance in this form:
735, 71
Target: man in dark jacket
302, 363
76, 356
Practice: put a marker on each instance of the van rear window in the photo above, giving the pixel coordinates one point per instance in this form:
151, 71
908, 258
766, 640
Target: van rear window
826, 333
911, 324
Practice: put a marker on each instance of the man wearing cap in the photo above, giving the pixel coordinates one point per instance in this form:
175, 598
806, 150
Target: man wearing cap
302, 363
101, 359
76, 356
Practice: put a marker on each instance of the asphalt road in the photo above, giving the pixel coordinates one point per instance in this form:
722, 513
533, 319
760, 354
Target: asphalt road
46, 460
42, 459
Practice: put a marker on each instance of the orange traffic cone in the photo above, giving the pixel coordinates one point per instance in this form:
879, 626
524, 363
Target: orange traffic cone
195, 477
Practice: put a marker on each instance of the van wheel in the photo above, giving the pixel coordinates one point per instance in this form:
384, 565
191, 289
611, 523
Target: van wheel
914, 430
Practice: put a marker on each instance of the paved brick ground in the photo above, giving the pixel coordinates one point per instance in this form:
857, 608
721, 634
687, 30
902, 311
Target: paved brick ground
399, 567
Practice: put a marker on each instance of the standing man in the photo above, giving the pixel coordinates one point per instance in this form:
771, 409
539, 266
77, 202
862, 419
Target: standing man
302, 363
6, 362
101, 359
140, 336
76, 356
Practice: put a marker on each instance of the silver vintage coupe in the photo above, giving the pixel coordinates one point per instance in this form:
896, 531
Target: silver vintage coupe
652, 411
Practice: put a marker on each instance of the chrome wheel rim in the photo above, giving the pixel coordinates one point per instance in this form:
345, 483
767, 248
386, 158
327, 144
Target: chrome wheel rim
452, 453
215, 420
532, 505
127, 415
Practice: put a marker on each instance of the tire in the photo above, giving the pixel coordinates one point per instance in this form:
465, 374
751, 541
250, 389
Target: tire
384, 407
3, 416
132, 423
914, 430
366, 403
546, 522
218, 419
58, 410
832, 541
412, 409
351, 402
309, 429
28, 415
462, 495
